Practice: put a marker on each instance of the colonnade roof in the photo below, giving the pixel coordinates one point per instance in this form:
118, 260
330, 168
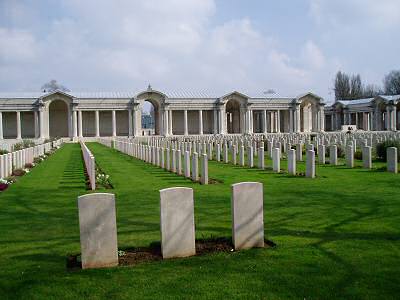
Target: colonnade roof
367, 101
169, 94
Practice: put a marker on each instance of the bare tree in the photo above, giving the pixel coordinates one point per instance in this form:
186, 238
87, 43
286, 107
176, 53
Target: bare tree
372, 90
53, 85
356, 87
391, 83
342, 86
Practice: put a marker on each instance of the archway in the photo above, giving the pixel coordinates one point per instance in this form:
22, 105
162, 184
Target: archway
233, 118
150, 118
58, 119
308, 113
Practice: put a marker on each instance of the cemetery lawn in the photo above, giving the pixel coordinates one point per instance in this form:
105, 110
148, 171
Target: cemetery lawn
337, 236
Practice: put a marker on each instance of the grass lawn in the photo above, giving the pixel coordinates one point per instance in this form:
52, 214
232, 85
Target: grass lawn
337, 236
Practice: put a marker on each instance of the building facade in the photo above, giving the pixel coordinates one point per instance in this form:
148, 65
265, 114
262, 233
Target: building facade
378, 114
74, 115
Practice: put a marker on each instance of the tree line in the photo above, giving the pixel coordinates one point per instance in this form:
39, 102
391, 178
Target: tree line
351, 87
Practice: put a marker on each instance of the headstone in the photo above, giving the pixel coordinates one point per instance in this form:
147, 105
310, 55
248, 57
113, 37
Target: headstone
218, 154
392, 159
225, 153
310, 164
333, 159
204, 169
321, 154
299, 152
234, 154
98, 230
241, 156
250, 163
350, 156
247, 215
261, 163
292, 162
178, 162
187, 164
367, 157
195, 166
177, 222
276, 160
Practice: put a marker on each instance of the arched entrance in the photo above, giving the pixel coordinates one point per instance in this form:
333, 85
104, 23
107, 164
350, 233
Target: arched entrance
308, 116
150, 117
58, 119
233, 118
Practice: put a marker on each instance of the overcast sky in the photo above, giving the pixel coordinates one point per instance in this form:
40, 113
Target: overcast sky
291, 46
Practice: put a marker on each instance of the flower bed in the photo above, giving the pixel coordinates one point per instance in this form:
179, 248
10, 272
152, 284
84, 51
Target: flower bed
6, 182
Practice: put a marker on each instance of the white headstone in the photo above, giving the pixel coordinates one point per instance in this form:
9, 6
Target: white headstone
247, 215
98, 230
392, 159
177, 222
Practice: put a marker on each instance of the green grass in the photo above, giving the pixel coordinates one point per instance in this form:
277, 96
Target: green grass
337, 236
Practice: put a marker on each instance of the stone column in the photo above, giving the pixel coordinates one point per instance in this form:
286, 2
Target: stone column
322, 119
251, 121
393, 118
1, 125
36, 123
278, 121
185, 123
41, 124
267, 121
114, 123
298, 126
332, 122
170, 122
291, 120
130, 123
18, 125
74, 124
264, 121
215, 121
200, 122
80, 123
97, 123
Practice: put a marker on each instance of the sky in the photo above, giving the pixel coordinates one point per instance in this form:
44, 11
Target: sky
290, 46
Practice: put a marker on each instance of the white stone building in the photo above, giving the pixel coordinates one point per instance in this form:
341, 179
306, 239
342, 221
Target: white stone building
378, 114
61, 114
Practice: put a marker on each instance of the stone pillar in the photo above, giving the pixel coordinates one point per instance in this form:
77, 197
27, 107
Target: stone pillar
298, 119
185, 123
291, 129
200, 122
80, 123
18, 125
170, 122
264, 121
393, 118
322, 119
114, 123
278, 121
97, 123
41, 124
130, 127
36, 121
74, 124
1, 129
333, 122
215, 121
